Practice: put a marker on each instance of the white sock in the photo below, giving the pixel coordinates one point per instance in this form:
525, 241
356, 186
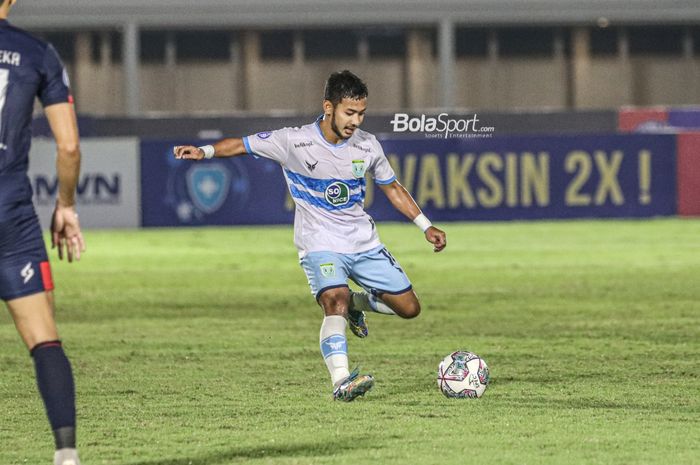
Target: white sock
368, 303
66, 457
334, 347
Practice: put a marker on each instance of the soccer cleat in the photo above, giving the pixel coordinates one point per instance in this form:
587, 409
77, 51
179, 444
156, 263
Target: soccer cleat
66, 457
353, 386
358, 323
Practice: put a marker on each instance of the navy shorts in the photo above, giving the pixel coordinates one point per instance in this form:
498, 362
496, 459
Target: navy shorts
24, 265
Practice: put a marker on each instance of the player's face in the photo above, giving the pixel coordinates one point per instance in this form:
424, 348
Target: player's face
348, 116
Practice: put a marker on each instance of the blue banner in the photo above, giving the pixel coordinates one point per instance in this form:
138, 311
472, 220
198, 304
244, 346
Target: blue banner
499, 178
239, 190
503, 178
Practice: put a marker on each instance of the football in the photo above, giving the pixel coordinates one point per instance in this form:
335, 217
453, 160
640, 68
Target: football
463, 374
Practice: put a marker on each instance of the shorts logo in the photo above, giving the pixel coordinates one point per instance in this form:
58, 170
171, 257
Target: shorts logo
327, 270
337, 194
358, 168
264, 135
27, 272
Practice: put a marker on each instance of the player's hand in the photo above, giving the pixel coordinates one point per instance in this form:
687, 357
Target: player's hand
65, 232
436, 237
188, 152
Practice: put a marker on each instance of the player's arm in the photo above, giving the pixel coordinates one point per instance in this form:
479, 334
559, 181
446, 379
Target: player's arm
65, 228
224, 148
402, 200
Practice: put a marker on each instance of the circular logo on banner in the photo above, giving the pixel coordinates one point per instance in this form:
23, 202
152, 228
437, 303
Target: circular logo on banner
338, 194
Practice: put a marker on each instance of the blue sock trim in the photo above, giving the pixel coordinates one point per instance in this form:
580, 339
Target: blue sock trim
335, 344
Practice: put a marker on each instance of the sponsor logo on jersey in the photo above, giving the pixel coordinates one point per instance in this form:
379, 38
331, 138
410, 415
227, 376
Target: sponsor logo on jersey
358, 168
264, 135
304, 144
327, 270
364, 149
27, 272
208, 186
310, 166
337, 194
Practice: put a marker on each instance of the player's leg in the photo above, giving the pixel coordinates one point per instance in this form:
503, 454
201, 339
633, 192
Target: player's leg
327, 276
25, 286
389, 291
33, 317
334, 346
347, 386
406, 304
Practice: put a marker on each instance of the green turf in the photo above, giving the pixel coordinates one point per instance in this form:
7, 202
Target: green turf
201, 347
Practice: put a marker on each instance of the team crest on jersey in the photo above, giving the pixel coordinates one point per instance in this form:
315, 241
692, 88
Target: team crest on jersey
327, 270
337, 194
358, 168
208, 186
264, 135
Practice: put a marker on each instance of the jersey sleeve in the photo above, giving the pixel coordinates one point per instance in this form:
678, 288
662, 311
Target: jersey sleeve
382, 171
54, 87
269, 144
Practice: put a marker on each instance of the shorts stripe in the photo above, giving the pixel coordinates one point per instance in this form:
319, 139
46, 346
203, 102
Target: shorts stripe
377, 292
46, 276
335, 286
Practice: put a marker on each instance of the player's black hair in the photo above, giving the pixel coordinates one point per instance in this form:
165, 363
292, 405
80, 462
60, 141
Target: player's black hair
344, 84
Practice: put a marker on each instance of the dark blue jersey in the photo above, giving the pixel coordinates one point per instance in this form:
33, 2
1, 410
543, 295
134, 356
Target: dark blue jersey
29, 68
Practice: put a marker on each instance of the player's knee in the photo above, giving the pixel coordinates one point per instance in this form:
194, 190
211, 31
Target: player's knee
411, 309
335, 302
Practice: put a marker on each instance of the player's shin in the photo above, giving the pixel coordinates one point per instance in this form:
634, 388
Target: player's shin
365, 302
334, 347
54, 378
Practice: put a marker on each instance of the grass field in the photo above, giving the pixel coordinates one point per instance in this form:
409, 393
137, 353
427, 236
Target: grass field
200, 347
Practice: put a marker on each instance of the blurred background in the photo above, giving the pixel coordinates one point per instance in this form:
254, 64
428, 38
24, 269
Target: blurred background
179, 71
215, 56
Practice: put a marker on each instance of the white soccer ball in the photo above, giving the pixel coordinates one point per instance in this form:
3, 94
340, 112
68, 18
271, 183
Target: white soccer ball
463, 374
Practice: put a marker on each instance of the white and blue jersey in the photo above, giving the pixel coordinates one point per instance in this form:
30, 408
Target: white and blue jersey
327, 183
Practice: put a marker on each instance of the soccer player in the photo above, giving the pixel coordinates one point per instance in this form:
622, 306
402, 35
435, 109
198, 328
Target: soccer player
29, 68
324, 164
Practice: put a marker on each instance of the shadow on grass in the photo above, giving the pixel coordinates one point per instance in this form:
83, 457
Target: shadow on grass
302, 449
